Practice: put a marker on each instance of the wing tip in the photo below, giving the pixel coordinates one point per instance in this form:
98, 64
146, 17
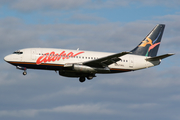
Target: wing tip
171, 54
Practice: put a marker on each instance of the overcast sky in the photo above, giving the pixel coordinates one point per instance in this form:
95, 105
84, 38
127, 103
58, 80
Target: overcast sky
95, 25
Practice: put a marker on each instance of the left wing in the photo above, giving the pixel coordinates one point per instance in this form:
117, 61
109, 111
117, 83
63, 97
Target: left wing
105, 61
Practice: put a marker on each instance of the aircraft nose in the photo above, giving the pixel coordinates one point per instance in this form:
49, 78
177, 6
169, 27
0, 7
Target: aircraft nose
7, 58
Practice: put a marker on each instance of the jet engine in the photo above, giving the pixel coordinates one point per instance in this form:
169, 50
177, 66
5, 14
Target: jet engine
83, 68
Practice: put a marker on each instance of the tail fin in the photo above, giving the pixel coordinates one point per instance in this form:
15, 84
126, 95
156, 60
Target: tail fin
150, 45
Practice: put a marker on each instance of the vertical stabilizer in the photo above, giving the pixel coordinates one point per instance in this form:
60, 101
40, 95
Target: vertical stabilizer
150, 45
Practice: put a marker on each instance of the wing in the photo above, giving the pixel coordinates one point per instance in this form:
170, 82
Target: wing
105, 61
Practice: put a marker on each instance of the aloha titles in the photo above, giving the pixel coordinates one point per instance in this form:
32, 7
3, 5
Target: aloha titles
52, 57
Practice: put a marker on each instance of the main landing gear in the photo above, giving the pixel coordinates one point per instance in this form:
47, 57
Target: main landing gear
83, 79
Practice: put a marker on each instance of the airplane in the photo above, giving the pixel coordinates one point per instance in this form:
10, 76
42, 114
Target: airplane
86, 64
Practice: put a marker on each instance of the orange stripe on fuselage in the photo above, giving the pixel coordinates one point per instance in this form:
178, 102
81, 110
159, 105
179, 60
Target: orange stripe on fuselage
35, 63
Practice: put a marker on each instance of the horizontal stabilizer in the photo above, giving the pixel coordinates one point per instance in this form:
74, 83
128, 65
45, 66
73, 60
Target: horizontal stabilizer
159, 57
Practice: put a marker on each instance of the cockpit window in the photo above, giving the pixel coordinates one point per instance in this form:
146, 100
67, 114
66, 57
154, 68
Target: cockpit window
18, 52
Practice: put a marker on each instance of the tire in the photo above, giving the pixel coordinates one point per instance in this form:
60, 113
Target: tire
90, 77
24, 73
82, 79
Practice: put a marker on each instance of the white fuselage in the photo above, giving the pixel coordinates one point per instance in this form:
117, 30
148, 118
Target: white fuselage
56, 59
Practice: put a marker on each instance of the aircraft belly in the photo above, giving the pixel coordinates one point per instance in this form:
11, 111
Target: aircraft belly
120, 67
119, 70
32, 65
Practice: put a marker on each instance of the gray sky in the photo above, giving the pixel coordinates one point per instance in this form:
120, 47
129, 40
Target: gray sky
101, 25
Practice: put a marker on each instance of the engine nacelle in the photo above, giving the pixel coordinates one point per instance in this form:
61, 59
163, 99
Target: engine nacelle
83, 68
67, 73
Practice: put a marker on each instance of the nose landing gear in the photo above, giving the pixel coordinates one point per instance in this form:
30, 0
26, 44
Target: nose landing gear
24, 73
22, 68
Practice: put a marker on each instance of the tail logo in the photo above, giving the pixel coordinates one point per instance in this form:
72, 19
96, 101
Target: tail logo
150, 44
146, 42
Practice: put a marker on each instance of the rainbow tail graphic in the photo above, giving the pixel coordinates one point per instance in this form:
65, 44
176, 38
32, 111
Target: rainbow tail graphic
150, 45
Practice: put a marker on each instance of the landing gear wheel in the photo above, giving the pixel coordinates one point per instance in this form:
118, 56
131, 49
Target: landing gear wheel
24, 73
90, 77
82, 79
